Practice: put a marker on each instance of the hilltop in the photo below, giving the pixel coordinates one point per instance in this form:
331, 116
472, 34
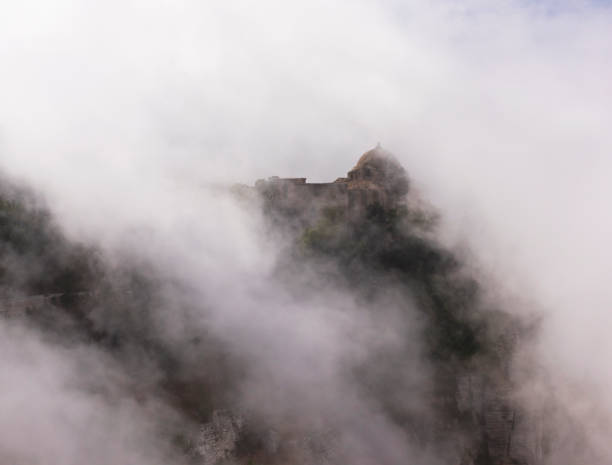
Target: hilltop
444, 383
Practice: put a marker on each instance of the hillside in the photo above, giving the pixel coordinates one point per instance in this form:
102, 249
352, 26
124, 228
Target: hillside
432, 363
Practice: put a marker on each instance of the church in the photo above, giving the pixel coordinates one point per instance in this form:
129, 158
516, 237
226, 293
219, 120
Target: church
377, 178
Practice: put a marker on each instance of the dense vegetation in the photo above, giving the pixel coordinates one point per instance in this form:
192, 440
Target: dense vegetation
392, 244
384, 250
74, 296
395, 249
35, 257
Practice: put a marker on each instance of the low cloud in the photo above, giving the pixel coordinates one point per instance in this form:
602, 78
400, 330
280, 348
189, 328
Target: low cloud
128, 117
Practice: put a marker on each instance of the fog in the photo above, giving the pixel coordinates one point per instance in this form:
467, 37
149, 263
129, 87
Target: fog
129, 118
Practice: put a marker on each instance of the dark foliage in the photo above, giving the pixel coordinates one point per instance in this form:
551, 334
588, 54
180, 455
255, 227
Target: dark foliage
383, 243
35, 256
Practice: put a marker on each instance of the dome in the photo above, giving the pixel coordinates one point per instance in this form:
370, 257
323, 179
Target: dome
379, 167
375, 156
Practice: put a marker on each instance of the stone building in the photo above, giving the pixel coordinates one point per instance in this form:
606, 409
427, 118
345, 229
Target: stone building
377, 178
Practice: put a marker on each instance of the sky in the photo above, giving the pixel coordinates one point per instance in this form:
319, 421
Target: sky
123, 113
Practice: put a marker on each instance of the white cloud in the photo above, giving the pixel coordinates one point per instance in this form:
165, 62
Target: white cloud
500, 111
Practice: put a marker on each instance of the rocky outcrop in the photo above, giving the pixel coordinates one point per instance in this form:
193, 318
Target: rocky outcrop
218, 439
230, 438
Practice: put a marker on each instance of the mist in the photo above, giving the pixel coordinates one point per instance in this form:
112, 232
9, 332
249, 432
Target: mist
132, 119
